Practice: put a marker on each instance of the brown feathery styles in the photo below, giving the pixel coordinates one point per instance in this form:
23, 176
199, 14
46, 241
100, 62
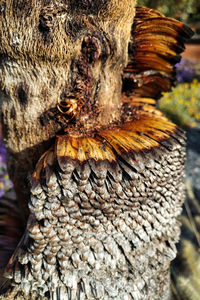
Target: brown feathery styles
146, 131
154, 49
80, 80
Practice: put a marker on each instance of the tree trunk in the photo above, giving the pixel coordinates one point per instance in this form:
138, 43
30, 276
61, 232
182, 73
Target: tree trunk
104, 197
52, 52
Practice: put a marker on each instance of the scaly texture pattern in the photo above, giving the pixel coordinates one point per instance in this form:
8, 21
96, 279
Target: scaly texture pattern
108, 185
102, 229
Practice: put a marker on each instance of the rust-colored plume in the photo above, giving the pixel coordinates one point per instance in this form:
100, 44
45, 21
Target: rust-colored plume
155, 47
146, 131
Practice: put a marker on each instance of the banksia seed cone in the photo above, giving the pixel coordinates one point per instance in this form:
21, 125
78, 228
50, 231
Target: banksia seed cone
104, 199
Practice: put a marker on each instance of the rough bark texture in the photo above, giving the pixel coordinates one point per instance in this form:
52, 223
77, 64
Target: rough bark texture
103, 199
50, 51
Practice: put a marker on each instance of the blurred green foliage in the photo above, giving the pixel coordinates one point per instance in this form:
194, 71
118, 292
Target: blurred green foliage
184, 10
182, 104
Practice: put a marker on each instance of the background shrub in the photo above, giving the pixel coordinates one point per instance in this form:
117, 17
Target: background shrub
184, 10
182, 104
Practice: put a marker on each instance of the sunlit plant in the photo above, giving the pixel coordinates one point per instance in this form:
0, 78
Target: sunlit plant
182, 104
